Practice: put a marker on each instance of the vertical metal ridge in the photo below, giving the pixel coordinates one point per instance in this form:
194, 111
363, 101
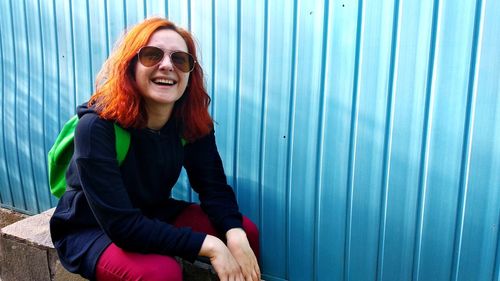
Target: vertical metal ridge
186, 185
144, 9
106, 28
263, 111
42, 47
291, 132
30, 143
389, 126
3, 125
73, 43
426, 135
58, 68
470, 113
124, 15
28, 75
58, 78
238, 97
15, 104
353, 139
42, 50
214, 55
189, 14
166, 9
2, 97
89, 45
319, 142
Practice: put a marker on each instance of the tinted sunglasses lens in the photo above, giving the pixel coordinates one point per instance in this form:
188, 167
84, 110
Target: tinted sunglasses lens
149, 56
183, 61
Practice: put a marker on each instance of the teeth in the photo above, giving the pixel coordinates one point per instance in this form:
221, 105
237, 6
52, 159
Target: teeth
164, 81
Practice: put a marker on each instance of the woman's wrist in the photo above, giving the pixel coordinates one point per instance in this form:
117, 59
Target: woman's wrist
236, 235
210, 246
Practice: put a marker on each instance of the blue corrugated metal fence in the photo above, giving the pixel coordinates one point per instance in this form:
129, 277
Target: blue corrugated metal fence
362, 136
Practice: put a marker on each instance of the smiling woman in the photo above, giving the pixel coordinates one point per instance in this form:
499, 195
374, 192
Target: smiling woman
119, 222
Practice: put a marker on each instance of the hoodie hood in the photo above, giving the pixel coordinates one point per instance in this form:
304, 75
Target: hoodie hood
83, 109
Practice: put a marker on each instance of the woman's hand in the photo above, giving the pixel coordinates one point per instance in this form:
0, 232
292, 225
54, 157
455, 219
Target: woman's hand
238, 244
222, 260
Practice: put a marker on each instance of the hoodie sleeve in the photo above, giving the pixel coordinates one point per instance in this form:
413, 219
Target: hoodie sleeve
206, 175
102, 184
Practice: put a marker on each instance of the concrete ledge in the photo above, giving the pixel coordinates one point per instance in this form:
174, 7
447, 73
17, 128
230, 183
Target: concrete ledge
9, 217
27, 254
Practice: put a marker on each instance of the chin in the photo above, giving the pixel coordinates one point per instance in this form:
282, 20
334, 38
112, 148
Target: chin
167, 101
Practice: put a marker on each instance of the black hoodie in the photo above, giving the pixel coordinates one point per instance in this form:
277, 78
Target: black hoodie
130, 205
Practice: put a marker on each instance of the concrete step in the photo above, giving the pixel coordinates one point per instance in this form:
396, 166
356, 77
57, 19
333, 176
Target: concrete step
9, 217
27, 254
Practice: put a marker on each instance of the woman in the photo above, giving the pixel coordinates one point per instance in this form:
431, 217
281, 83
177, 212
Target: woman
119, 222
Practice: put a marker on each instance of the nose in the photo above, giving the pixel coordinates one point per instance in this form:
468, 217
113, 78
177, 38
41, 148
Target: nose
166, 63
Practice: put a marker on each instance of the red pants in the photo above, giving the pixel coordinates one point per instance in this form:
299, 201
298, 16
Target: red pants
116, 264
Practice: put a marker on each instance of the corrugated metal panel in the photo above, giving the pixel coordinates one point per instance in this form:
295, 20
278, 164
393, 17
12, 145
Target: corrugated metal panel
362, 136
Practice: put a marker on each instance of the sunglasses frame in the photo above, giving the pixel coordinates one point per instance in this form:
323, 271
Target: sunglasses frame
163, 57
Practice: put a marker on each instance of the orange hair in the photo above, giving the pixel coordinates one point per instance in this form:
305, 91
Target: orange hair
117, 98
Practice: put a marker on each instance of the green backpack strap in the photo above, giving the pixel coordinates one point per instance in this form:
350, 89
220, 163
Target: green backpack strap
61, 152
122, 143
183, 141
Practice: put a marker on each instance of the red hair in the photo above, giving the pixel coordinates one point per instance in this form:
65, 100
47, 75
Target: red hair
117, 98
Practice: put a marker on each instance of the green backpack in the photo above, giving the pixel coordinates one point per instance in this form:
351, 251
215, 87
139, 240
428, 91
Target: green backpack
61, 152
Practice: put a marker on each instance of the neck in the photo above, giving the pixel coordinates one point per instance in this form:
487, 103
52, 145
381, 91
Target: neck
158, 116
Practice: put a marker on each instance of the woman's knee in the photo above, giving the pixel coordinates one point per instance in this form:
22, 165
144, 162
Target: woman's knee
165, 271
116, 264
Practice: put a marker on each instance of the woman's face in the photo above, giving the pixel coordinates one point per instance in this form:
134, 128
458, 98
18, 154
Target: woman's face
162, 85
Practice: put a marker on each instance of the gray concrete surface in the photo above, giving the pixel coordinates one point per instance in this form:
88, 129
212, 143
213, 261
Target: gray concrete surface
27, 253
9, 217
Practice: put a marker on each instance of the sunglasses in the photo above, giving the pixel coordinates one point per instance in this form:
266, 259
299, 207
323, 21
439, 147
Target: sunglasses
151, 56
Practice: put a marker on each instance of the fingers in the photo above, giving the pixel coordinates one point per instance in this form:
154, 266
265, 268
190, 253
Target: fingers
249, 266
256, 274
226, 267
230, 274
235, 272
231, 277
250, 270
252, 277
